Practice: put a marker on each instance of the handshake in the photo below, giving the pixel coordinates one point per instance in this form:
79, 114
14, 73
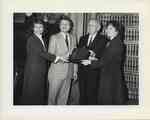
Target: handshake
64, 59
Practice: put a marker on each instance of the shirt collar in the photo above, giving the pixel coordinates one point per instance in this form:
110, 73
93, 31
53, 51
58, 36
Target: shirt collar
93, 36
64, 34
39, 36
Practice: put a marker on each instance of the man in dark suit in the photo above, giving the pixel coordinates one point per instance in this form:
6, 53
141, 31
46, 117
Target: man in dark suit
35, 71
88, 78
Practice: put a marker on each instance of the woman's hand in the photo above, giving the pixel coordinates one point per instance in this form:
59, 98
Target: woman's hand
61, 59
85, 62
92, 58
64, 59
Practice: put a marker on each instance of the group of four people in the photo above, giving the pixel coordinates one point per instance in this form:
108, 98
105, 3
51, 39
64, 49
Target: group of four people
99, 76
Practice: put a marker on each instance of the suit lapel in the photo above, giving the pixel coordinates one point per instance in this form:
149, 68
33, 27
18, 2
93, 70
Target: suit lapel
93, 42
86, 40
39, 41
62, 41
70, 42
45, 43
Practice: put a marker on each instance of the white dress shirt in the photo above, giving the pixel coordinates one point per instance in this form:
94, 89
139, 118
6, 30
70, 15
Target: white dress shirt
89, 39
64, 35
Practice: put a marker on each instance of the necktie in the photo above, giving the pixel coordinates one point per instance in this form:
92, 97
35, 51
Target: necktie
66, 40
90, 42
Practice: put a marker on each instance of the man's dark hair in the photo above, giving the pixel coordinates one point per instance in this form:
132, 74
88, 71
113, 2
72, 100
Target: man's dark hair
64, 17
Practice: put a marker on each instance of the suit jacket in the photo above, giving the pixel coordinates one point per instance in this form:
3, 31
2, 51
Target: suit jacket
61, 71
88, 77
111, 84
35, 71
57, 46
97, 45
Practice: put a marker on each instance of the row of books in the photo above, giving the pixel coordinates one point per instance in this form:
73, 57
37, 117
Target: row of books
133, 93
132, 50
132, 80
131, 19
131, 64
131, 35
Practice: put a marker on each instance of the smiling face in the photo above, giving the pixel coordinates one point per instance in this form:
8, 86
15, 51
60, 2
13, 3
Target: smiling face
38, 28
111, 31
64, 26
93, 26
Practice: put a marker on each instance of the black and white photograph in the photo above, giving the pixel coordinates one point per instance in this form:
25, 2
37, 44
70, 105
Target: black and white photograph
85, 58
74, 60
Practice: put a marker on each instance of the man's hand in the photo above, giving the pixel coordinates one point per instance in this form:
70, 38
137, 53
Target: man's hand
75, 76
85, 62
92, 54
61, 59
57, 59
64, 59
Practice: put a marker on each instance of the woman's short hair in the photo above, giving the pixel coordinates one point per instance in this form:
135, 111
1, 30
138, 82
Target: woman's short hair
118, 26
37, 21
115, 24
64, 17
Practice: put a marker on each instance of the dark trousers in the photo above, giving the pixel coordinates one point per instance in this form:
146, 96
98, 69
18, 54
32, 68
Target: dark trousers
88, 86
